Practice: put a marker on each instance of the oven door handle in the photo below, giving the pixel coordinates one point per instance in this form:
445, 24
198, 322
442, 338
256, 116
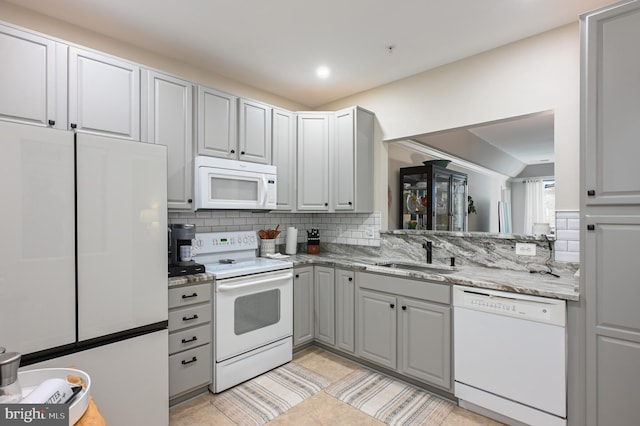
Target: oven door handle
253, 282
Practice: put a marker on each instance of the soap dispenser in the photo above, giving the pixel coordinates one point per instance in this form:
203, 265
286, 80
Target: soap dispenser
10, 391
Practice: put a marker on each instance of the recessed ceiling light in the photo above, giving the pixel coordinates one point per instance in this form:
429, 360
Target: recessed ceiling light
323, 72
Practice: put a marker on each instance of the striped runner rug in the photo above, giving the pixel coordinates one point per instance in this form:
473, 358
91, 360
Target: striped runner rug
389, 400
265, 397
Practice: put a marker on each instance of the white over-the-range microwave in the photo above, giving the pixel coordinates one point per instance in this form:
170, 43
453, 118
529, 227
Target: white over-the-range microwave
232, 184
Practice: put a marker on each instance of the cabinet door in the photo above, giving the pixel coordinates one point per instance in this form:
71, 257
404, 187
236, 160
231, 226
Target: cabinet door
169, 121
613, 322
104, 95
303, 324
425, 342
254, 138
217, 123
313, 162
377, 328
284, 157
345, 310
344, 166
612, 86
29, 78
324, 292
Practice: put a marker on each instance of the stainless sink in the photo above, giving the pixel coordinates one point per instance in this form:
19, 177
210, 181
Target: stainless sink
420, 267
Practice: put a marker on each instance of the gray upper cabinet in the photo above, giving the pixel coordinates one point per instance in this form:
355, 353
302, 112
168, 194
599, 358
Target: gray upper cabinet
352, 149
303, 306
612, 87
324, 301
254, 131
335, 161
610, 214
217, 119
33, 79
168, 120
345, 310
284, 156
313, 161
104, 95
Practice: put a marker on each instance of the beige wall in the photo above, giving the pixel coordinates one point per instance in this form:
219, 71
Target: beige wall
536, 74
66, 32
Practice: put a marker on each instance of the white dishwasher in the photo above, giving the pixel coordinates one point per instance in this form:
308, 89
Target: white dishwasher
510, 354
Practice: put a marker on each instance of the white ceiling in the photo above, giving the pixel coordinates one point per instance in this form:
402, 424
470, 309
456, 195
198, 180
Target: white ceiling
528, 139
275, 45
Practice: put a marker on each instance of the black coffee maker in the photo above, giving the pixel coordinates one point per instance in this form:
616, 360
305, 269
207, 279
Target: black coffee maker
181, 237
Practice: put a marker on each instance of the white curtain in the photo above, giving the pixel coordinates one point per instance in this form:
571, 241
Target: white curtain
533, 204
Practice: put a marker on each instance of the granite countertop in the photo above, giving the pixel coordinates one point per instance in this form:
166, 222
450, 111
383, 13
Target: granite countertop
565, 287
190, 279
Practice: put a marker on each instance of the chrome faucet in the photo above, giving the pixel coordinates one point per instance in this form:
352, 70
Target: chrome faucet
427, 245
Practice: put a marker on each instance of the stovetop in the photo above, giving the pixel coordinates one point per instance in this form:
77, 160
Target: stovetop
233, 254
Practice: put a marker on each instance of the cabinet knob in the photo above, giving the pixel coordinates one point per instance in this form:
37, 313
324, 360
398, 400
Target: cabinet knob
241, 152
52, 122
350, 203
404, 308
233, 151
74, 125
297, 275
591, 227
350, 279
326, 204
392, 306
591, 193
190, 201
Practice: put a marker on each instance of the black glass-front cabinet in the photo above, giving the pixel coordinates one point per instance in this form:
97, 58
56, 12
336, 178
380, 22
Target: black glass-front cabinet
433, 198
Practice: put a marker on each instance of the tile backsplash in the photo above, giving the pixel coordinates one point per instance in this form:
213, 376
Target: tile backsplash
361, 229
567, 245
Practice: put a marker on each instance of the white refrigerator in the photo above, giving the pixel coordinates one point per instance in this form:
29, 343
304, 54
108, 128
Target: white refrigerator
83, 274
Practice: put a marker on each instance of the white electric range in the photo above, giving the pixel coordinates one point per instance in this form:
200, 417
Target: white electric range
252, 307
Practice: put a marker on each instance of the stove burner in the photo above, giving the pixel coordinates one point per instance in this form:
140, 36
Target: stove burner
227, 261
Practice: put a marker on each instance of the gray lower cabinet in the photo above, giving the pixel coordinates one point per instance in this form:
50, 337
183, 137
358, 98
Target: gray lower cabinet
324, 304
405, 325
303, 306
189, 339
425, 341
345, 310
377, 328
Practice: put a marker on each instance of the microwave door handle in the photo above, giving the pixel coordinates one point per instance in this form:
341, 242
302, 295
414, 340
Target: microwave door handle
263, 196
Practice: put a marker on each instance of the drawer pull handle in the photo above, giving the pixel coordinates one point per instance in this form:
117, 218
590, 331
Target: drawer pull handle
194, 359
195, 316
193, 339
188, 296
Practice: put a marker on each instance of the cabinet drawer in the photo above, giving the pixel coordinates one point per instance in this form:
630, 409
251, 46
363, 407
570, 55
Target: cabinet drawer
189, 338
188, 295
190, 369
189, 317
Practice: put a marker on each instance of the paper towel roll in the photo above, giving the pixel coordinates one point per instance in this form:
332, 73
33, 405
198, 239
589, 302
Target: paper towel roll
292, 240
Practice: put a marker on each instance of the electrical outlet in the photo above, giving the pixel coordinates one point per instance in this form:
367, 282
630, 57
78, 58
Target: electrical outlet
369, 232
526, 249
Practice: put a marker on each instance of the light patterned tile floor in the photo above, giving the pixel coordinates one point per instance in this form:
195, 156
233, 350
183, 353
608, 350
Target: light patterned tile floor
320, 409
